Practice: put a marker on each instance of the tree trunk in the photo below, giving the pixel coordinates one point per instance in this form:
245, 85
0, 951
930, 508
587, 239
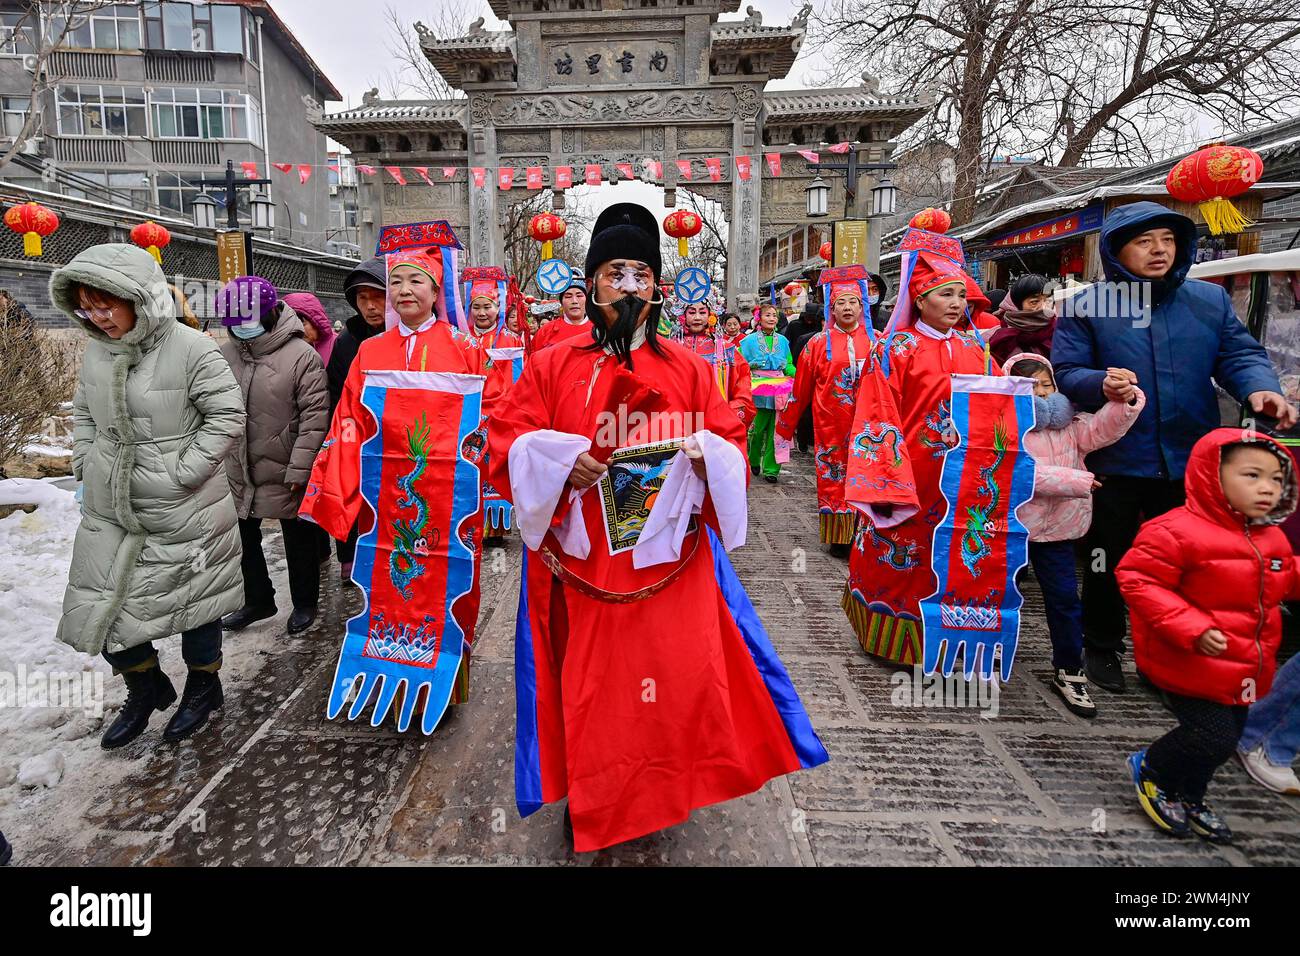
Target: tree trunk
970, 135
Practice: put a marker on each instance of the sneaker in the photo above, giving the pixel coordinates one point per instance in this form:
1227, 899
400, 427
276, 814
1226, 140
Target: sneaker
1268, 774
1165, 811
1072, 687
1103, 669
1207, 824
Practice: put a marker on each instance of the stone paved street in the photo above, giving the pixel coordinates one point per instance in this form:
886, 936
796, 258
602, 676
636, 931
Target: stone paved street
273, 782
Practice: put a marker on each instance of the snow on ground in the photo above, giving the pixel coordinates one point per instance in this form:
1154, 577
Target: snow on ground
51, 764
51, 451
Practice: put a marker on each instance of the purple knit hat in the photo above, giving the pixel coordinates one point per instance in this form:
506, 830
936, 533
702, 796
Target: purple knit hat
245, 299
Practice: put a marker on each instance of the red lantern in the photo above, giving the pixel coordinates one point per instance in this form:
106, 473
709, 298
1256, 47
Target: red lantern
33, 221
682, 225
827, 251
546, 227
1212, 176
151, 237
931, 220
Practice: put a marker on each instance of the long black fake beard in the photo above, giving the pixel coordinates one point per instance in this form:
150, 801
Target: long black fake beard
618, 335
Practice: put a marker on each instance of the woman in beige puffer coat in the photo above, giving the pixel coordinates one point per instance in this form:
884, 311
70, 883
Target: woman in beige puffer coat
157, 552
286, 397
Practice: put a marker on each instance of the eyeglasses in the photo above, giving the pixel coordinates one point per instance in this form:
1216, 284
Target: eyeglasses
88, 315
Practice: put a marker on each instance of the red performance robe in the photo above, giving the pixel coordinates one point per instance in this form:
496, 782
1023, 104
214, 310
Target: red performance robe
636, 711
336, 506
500, 378
559, 329
902, 428
731, 372
831, 387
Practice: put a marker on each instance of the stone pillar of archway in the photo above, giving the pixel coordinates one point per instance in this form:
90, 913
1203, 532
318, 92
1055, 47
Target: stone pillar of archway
744, 241
486, 246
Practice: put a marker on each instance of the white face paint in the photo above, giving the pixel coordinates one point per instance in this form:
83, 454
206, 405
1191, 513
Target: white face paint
629, 279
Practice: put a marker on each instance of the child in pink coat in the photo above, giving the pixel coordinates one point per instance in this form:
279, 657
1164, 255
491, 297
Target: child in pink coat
1061, 510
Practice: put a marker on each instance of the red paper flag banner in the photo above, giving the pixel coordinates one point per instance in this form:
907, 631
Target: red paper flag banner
840, 147
774, 163
304, 173
250, 169
368, 170
506, 178
625, 169
563, 177
423, 173
534, 179
715, 168
684, 168
654, 169
396, 173
593, 174
743, 166
480, 175
449, 172
283, 167
334, 167
809, 155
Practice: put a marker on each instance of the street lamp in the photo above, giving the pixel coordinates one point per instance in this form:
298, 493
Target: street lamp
852, 168
883, 198
205, 212
263, 212
818, 197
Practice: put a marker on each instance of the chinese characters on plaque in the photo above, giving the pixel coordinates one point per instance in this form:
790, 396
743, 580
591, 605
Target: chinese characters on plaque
633, 60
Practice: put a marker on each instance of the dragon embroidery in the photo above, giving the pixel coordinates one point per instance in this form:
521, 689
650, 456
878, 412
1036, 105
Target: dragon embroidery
827, 468
846, 385
409, 540
938, 433
979, 524
897, 556
868, 444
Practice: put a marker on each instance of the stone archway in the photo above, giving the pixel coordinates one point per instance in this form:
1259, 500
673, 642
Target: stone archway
610, 82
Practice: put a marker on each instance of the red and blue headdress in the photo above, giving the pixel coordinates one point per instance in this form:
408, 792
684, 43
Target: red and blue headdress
431, 247
839, 281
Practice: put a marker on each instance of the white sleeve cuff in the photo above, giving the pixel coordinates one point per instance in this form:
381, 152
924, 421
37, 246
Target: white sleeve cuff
540, 463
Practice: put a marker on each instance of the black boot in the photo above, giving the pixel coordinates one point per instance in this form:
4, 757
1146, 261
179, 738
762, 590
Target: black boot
146, 691
202, 695
246, 615
6, 851
301, 619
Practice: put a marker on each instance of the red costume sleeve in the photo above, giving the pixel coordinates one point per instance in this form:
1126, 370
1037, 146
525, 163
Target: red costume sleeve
879, 468
333, 494
741, 390
525, 412
805, 378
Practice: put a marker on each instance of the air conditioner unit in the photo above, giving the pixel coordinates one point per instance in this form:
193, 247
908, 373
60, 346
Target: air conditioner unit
33, 146
29, 62
334, 189
368, 217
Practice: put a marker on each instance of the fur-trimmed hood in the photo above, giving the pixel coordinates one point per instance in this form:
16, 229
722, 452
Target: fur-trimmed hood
129, 273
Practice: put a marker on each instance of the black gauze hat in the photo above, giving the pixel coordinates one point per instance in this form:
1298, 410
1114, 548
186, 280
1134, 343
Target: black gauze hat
625, 231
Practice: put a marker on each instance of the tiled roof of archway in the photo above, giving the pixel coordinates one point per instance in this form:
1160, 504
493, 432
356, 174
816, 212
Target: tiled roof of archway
837, 104
397, 115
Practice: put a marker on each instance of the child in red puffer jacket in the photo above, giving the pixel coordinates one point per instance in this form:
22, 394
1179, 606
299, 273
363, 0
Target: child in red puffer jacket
1204, 584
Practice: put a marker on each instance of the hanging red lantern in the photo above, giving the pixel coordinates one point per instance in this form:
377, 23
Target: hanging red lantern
151, 237
33, 222
1210, 177
931, 220
682, 225
546, 227
827, 251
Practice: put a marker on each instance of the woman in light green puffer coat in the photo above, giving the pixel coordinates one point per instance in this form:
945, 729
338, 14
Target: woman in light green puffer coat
157, 553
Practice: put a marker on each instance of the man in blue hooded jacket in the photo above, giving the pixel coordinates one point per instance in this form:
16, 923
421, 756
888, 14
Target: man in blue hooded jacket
1149, 325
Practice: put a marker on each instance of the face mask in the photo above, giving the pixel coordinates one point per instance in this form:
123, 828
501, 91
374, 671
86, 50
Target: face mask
873, 300
247, 331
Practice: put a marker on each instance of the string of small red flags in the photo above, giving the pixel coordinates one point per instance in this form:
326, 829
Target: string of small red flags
564, 177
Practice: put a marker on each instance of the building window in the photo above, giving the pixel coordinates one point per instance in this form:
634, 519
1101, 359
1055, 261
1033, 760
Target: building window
110, 27
118, 187
17, 36
206, 114
176, 191
221, 28
102, 111
15, 110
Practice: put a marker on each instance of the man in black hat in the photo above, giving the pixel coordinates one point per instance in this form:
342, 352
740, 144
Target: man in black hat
638, 693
